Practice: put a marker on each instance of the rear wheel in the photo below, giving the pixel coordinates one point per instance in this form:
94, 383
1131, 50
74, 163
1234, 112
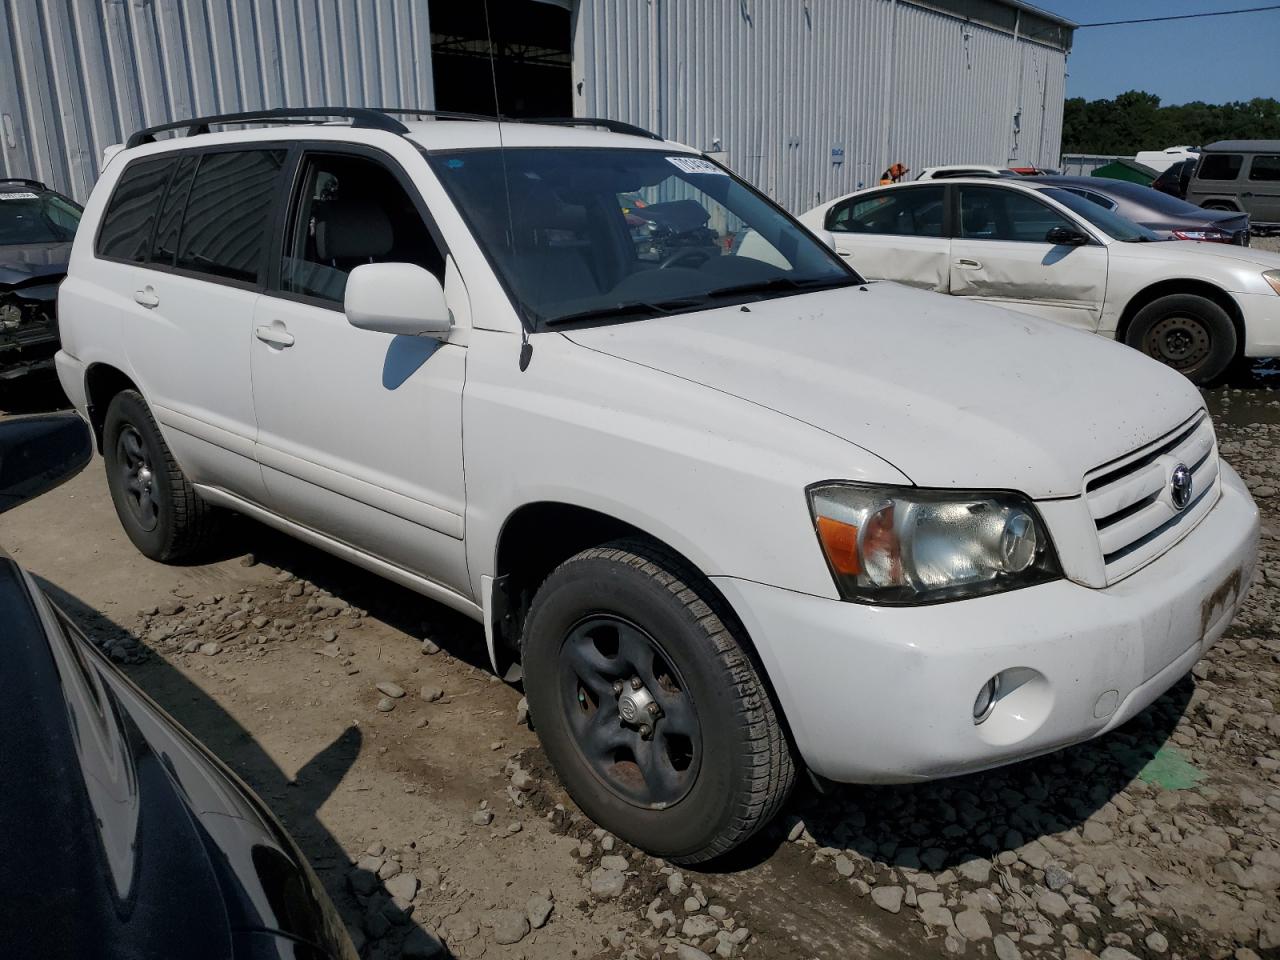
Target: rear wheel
648, 706
157, 506
1188, 332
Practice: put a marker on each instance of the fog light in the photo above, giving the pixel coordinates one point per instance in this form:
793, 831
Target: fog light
986, 699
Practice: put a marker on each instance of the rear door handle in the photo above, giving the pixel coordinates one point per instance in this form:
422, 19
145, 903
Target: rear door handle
146, 297
969, 264
274, 334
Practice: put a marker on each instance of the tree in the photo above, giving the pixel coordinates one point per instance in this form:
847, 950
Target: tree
1135, 121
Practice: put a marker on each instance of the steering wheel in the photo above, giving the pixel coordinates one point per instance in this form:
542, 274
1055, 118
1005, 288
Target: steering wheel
701, 256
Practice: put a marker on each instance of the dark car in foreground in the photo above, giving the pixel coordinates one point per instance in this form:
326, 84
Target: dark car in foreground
124, 837
1167, 217
37, 226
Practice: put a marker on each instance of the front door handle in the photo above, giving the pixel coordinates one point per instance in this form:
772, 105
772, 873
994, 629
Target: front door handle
146, 297
969, 264
274, 334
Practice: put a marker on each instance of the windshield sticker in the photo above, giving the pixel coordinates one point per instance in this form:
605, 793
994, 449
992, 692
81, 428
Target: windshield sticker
695, 165
19, 196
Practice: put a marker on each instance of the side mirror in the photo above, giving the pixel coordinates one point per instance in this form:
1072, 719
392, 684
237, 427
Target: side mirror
38, 453
827, 237
1065, 236
398, 298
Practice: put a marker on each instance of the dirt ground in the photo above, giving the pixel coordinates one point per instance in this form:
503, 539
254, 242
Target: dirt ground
429, 812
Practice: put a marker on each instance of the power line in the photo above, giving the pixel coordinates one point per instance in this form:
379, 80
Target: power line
1182, 16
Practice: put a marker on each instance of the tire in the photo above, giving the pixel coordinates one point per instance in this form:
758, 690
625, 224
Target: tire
1187, 332
157, 506
717, 765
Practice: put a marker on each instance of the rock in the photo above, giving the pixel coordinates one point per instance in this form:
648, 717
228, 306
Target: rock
698, 926
1034, 854
675, 883
170, 608
431, 694
606, 884
330, 636
420, 945
537, 910
1266, 490
363, 880
686, 952
521, 778
614, 862
429, 649
1230, 871
248, 560
509, 926
1116, 953
482, 818
972, 925
937, 916
844, 866
386, 705
388, 870
933, 858
403, 886
1096, 832
1052, 903
1055, 876
1006, 949
1156, 942
522, 712
977, 870
389, 689
210, 649
460, 927
888, 898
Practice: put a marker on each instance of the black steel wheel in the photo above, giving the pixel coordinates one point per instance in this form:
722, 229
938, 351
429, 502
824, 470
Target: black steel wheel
1190, 333
649, 704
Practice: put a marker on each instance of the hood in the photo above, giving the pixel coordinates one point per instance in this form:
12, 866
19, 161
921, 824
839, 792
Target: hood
953, 394
1195, 251
22, 263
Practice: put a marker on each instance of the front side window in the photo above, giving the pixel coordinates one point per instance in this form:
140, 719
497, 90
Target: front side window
1265, 168
126, 224
991, 213
29, 216
228, 213
349, 211
1220, 166
905, 212
582, 234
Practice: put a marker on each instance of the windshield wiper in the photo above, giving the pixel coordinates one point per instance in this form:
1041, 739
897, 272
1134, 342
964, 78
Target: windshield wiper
782, 283
622, 310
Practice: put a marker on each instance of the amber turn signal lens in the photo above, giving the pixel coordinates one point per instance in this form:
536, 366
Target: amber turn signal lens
840, 541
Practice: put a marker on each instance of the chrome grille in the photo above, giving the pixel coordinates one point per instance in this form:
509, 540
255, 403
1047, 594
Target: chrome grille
1131, 499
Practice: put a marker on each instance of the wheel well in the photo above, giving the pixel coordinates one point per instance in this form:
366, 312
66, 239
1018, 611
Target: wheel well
102, 382
1167, 287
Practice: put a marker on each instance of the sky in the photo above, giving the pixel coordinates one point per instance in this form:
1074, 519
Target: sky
1215, 59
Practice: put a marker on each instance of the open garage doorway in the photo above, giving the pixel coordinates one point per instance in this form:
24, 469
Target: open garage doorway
533, 57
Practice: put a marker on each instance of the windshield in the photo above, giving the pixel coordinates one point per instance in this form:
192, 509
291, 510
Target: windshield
588, 235
30, 217
1109, 222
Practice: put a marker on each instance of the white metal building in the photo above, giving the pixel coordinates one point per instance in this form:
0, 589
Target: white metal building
805, 98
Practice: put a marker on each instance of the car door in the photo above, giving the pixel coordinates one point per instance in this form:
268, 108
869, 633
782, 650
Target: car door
359, 432
1262, 194
895, 234
1000, 254
190, 232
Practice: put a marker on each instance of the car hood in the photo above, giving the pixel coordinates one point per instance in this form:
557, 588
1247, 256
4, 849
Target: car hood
21, 264
1195, 251
953, 394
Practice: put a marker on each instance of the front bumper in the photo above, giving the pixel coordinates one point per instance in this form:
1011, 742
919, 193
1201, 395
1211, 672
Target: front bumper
883, 695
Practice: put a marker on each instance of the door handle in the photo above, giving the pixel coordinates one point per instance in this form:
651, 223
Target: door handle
847, 256
146, 297
274, 334
969, 264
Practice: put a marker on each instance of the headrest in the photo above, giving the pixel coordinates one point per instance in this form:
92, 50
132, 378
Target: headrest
976, 218
352, 229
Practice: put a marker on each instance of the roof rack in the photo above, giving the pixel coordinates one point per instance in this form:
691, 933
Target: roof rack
24, 182
374, 118
359, 116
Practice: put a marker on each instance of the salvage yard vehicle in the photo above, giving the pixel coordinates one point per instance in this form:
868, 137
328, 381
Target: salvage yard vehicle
1242, 175
726, 516
114, 814
1046, 250
36, 228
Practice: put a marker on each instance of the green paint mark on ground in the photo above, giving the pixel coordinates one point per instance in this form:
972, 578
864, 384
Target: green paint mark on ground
1170, 770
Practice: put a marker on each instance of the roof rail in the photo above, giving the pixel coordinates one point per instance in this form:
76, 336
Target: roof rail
613, 126
359, 116
24, 181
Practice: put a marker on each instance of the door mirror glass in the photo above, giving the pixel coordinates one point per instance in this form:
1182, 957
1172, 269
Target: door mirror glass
398, 298
38, 453
1065, 236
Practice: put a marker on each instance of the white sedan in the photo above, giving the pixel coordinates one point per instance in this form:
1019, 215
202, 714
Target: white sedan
1042, 250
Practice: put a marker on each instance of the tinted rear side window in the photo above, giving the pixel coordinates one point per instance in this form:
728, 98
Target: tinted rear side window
228, 213
126, 225
1265, 168
169, 222
1220, 166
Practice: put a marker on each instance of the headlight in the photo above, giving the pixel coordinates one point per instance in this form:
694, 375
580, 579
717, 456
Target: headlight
1272, 277
903, 545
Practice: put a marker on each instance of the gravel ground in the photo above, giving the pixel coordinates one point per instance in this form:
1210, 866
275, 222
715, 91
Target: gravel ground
366, 718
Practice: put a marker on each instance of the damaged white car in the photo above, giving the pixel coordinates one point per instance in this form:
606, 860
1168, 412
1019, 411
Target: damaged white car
1041, 249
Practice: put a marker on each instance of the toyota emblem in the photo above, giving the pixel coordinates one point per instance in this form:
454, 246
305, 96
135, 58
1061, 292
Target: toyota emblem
1180, 486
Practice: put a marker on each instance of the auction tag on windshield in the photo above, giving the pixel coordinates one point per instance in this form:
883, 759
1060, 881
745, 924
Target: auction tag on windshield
696, 165
19, 196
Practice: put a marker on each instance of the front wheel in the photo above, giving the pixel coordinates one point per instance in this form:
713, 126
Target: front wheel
1188, 332
648, 706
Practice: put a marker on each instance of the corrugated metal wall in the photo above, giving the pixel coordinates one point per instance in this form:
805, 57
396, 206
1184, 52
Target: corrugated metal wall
78, 75
781, 86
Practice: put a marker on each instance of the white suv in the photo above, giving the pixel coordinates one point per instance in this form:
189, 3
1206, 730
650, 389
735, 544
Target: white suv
729, 514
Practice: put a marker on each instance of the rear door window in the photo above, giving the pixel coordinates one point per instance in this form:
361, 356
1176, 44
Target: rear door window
905, 212
228, 213
1265, 168
169, 223
126, 228
1220, 166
